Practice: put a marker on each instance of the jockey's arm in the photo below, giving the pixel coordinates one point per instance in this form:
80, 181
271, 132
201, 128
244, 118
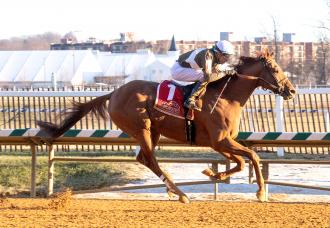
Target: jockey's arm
212, 71
214, 76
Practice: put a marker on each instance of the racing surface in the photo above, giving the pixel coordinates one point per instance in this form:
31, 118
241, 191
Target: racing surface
68, 212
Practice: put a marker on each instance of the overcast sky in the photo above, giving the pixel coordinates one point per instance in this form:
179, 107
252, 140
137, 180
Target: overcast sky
160, 19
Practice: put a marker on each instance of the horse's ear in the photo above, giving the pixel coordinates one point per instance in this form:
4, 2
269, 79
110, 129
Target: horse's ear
258, 53
266, 52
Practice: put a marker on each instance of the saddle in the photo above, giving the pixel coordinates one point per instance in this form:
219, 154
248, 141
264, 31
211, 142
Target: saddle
186, 89
169, 100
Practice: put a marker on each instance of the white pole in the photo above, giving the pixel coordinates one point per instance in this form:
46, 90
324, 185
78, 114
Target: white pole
137, 150
54, 81
279, 120
50, 170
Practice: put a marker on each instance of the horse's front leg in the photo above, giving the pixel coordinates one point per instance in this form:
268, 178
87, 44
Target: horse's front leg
146, 157
226, 174
231, 146
152, 164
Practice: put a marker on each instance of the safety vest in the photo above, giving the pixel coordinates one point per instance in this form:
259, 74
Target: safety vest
191, 58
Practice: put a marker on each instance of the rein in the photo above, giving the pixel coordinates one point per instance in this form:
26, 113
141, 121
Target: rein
276, 88
223, 89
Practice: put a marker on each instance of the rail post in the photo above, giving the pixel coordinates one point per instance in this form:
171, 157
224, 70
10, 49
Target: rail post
279, 120
33, 170
265, 174
227, 181
250, 173
50, 170
216, 187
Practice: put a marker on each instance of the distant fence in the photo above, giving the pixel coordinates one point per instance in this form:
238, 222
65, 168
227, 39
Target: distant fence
264, 112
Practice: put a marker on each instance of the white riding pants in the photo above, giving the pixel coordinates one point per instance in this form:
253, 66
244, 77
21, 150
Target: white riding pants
184, 74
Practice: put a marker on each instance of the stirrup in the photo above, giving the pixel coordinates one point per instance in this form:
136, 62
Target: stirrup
191, 104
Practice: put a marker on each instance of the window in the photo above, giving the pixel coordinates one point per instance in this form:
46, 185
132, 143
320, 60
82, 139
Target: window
257, 48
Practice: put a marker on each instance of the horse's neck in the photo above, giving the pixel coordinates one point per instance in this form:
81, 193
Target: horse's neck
238, 89
244, 88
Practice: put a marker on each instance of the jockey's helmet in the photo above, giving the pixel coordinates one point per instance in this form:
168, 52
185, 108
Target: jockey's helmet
224, 47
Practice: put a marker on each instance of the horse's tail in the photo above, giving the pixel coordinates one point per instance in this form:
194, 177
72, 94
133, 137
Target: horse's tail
73, 115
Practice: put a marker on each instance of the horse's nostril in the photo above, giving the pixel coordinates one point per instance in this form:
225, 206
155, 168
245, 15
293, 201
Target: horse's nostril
292, 91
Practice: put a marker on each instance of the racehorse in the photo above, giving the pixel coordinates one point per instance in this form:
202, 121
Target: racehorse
131, 108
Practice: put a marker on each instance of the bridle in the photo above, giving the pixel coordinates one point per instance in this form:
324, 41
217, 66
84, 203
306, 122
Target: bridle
278, 88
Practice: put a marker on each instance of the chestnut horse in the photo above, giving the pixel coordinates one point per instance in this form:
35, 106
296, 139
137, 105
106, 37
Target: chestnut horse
131, 108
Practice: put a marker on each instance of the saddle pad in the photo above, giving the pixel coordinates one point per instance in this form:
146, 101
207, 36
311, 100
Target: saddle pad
170, 99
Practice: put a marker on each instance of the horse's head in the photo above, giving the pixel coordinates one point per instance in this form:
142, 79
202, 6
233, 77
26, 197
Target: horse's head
271, 75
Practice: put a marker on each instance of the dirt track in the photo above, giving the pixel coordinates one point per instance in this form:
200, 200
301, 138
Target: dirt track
118, 213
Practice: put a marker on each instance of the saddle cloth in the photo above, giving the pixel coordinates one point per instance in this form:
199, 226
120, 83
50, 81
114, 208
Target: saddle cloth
169, 100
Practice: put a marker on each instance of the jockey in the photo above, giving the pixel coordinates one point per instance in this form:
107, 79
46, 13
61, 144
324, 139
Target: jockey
204, 66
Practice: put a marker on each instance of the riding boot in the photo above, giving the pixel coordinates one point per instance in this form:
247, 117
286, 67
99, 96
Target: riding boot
198, 89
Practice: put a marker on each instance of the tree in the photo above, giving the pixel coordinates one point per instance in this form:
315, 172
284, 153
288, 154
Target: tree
322, 59
35, 42
275, 39
323, 51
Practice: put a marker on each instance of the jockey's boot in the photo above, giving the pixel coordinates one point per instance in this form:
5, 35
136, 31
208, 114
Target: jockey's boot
198, 89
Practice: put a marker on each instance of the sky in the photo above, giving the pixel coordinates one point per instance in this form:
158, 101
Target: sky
160, 19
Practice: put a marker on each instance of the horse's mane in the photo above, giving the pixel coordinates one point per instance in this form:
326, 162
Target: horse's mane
265, 55
245, 60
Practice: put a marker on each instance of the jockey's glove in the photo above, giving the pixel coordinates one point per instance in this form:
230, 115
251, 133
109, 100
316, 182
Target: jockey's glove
230, 71
224, 69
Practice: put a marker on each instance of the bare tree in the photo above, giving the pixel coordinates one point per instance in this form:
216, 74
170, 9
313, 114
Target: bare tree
322, 59
323, 51
35, 42
275, 38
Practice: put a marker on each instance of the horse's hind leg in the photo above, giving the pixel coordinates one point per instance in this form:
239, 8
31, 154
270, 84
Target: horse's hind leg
224, 175
148, 142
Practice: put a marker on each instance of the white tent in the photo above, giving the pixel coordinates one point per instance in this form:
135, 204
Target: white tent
127, 65
74, 66
78, 67
14, 64
160, 69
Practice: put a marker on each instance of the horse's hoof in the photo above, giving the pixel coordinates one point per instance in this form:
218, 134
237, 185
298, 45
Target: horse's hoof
208, 172
261, 195
170, 194
184, 199
221, 176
